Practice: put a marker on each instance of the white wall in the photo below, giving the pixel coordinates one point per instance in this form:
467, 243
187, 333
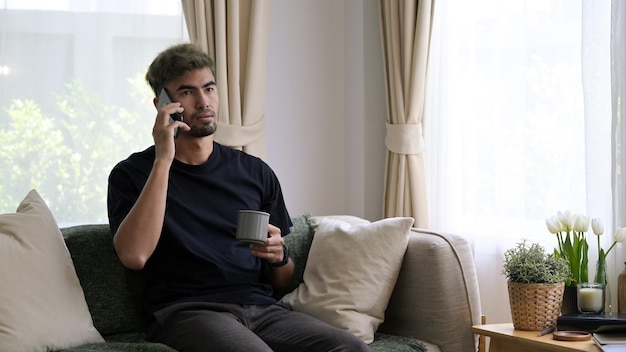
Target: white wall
325, 106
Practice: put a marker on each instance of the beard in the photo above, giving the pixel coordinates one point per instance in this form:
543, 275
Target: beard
206, 128
203, 130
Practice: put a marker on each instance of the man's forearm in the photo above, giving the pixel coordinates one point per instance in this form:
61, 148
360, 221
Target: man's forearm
139, 233
281, 277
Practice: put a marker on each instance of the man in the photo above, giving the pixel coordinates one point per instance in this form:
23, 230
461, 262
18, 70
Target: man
173, 212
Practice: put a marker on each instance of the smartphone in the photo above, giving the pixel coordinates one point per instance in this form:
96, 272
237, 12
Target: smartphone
164, 98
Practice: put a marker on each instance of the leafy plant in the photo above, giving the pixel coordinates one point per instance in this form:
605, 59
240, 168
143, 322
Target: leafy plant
67, 152
531, 264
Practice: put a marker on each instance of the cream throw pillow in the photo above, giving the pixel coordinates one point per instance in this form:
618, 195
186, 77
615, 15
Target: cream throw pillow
42, 305
351, 272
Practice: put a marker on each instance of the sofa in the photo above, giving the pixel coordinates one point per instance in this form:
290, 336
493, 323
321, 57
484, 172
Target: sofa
435, 300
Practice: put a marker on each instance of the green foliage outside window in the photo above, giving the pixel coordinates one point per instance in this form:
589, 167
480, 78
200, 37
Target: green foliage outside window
67, 156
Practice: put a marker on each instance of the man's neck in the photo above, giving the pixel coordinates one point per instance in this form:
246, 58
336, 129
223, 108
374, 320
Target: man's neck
194, 151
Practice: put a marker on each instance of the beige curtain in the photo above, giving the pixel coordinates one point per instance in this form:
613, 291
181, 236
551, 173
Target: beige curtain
406, 30
235, 34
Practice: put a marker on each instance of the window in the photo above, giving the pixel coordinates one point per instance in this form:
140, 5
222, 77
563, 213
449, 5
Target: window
73, 98
518, 125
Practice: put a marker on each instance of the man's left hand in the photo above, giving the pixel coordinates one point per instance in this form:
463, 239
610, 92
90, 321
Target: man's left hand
272, 250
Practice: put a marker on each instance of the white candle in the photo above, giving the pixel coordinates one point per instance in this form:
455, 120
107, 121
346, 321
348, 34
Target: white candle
590, 299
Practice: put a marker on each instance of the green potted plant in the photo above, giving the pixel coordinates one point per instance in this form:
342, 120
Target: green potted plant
536, 280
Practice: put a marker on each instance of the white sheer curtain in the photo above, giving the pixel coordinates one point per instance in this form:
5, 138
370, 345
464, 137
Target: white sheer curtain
618, 88
518, 126
73, 98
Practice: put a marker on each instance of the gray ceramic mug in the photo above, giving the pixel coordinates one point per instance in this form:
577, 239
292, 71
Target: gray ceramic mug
252, 226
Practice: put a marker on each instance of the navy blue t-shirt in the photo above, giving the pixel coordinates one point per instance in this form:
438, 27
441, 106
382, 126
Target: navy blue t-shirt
198, 258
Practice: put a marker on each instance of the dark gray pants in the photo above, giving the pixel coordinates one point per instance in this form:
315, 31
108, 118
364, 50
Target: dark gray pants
247, 328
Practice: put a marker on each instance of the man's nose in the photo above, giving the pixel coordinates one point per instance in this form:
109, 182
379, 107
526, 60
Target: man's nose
204, 101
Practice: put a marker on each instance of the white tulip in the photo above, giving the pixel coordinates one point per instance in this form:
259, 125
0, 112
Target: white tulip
566, 219
554, 225
580, 223
620, 234
597, 226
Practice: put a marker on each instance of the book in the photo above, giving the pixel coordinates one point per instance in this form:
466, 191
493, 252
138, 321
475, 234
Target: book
591, 323
612, 348
610, 338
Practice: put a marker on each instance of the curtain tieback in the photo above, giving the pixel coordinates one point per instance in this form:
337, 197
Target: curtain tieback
239, 136
404, 139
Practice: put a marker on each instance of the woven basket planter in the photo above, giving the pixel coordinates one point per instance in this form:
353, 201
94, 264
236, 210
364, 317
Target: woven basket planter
535, 306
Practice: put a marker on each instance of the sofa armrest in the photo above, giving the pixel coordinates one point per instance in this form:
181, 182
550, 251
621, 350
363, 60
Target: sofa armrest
436, 297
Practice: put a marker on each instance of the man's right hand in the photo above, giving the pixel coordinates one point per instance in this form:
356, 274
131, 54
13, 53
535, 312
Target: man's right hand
163, 131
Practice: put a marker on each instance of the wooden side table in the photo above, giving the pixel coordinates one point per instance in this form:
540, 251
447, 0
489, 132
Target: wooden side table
504, 338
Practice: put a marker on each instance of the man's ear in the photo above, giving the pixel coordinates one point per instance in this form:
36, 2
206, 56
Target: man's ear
155, 101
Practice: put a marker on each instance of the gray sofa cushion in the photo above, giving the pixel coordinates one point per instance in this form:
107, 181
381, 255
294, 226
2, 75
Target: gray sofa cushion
113, 293
299, 242
123, 346
391, 343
